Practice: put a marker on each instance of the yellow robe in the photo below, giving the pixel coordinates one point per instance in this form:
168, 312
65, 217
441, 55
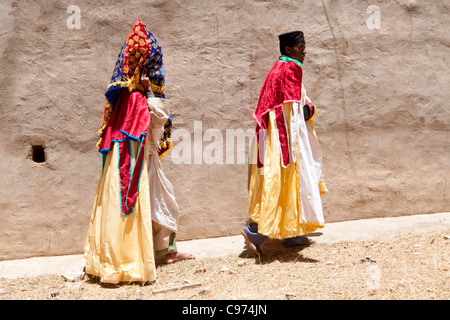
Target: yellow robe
275, 199
119, 248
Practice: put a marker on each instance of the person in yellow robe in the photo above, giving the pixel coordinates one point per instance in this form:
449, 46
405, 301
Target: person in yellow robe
121, 240
286, 179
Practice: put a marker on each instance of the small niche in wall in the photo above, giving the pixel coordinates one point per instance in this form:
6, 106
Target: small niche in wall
38, 153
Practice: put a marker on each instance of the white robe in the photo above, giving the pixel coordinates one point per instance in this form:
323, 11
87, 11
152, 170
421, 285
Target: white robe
164, 207
309, 157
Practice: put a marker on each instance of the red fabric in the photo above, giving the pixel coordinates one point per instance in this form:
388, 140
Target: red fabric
125, 175
130, 115
129, 176
283, 136
137, 50
283, 84
130, 120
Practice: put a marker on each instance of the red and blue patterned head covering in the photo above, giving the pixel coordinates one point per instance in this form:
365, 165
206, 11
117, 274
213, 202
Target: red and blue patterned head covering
140, 54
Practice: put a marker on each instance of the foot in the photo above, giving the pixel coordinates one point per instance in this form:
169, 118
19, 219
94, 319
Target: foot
254, 247
175, 256
298, 241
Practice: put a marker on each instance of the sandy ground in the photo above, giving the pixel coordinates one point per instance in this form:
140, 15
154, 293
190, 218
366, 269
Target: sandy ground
410, 266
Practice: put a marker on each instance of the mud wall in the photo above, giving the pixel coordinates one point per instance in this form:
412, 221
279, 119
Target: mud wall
377, 71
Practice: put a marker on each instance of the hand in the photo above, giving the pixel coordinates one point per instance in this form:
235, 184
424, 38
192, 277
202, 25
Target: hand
146, 83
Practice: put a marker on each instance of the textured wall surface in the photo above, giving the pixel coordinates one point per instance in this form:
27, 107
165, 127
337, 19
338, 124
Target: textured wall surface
377, 71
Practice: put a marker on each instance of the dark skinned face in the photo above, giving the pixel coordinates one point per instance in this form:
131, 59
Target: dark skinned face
296, 52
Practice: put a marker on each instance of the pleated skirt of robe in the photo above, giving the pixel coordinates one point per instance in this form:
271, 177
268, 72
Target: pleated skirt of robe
275, 191
119, 248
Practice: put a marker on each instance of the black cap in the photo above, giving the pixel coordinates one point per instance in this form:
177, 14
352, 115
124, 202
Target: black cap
290, 39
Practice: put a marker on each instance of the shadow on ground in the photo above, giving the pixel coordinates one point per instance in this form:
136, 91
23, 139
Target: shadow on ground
274, 251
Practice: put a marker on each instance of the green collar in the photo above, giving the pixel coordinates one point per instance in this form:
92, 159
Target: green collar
287, 59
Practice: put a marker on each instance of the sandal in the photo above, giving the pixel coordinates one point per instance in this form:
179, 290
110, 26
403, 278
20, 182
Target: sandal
254, 247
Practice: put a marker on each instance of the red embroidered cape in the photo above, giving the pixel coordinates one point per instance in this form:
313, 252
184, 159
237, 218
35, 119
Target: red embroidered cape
283, 84
129, 121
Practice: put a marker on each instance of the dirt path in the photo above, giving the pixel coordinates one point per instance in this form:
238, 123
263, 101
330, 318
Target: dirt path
413, 266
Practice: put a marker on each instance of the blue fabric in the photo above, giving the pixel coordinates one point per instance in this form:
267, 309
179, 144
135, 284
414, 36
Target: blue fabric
153, 68
252, 233
113, 92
